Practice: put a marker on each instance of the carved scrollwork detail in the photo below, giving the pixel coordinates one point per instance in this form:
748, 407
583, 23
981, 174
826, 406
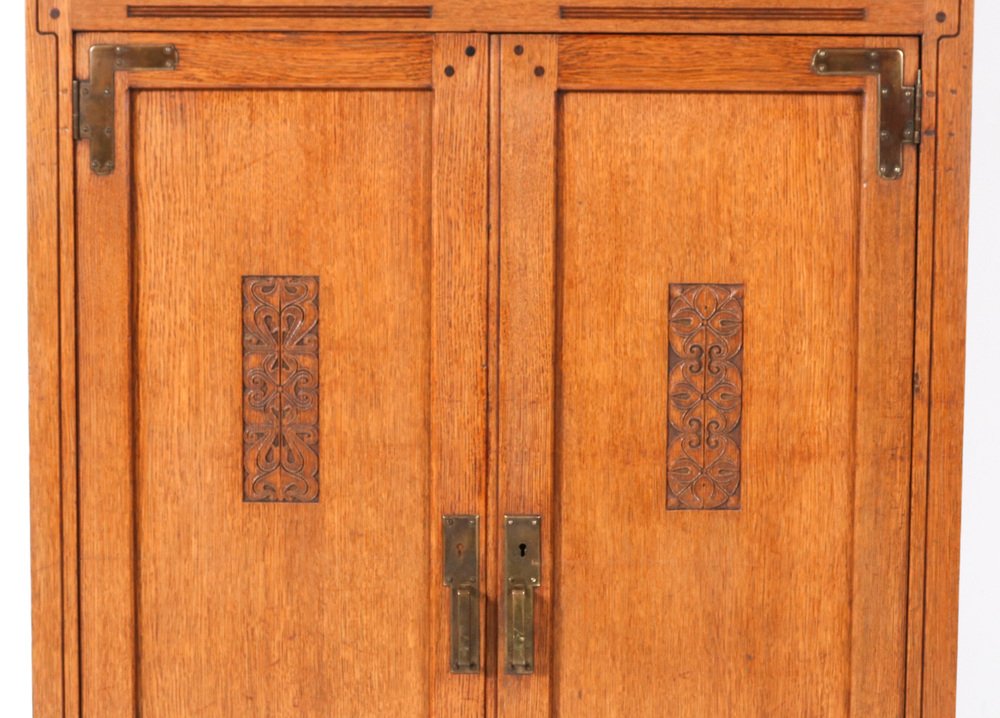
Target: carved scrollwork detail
281, 389
705, 390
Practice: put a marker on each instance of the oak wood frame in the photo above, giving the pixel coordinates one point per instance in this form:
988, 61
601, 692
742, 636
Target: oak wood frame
855, 17
945, 31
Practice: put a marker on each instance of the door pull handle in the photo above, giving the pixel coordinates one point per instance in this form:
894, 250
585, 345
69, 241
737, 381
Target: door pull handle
461, 575
522, 575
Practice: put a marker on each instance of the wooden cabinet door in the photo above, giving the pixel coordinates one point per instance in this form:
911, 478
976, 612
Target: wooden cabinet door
281, 339
705, 376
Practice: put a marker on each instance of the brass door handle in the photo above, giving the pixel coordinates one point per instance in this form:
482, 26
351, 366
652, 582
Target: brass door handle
461, 575
522, 575
520, 630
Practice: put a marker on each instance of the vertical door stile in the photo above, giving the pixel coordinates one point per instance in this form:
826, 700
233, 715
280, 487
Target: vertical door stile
458, 345
886, 255
528, 76
108, 657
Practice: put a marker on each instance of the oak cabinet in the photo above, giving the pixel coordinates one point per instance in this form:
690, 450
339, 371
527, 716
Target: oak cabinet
504, 359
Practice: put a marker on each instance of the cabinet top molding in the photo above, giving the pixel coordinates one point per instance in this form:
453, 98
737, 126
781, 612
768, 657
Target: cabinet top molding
859, 17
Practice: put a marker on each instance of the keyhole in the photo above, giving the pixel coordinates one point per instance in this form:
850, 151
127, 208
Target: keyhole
459, 549
524, 548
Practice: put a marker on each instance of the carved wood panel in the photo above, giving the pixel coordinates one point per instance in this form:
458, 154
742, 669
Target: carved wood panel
705, 388
281, 389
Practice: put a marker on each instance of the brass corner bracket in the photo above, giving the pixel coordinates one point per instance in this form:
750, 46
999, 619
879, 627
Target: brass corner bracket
94, 99
899, 105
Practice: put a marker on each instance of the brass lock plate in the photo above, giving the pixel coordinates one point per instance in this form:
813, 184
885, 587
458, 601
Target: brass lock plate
523, 549
461, 575
522, 575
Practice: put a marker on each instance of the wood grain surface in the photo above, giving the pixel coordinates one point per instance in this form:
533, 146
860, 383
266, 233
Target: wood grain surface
44, 356
512, 16
497, 222
303, 61
257, 608
458, 357
946, 378
273, 597
833, 470
526, 334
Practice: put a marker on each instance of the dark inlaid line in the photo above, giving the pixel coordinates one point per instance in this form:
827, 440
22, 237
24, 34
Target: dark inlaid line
571, 12
281, 11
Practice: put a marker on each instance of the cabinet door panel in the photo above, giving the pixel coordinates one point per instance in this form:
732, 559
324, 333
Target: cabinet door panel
706, 347
281, 340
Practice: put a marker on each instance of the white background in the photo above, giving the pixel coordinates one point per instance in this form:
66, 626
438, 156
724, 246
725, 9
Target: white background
979, 636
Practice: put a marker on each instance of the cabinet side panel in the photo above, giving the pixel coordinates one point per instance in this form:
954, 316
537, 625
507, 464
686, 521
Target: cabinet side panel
944, 493
43, 349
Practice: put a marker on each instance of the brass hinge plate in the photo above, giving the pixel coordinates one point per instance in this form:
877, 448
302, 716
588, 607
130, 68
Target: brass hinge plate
94, 99
899, 104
